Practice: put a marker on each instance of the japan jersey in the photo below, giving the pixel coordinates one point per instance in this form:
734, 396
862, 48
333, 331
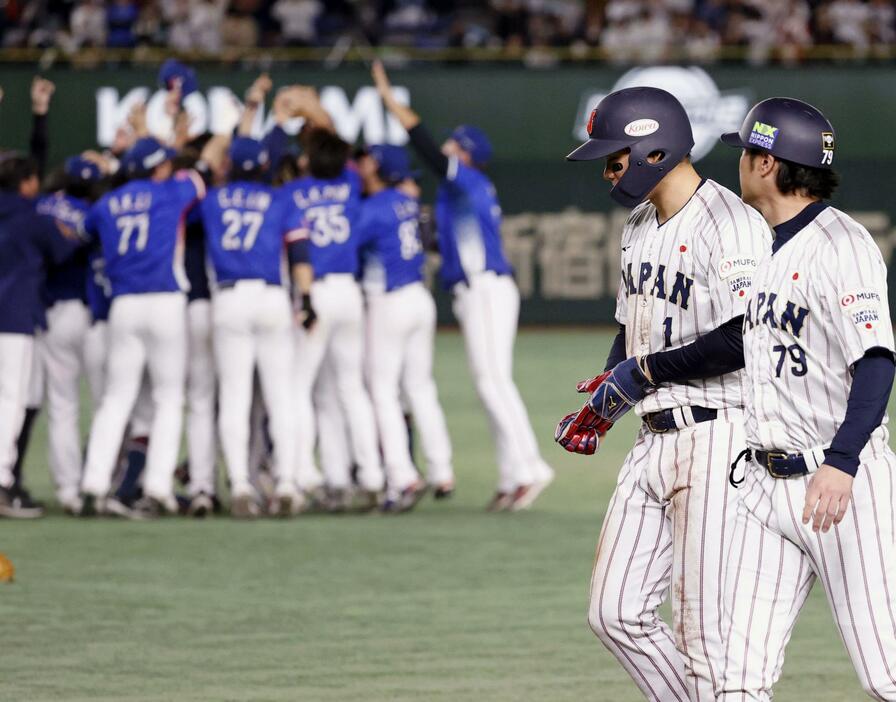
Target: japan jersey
388, 229
684, 278
140, 226
327, 210
67, 280
245, 227
469, 221
818, 303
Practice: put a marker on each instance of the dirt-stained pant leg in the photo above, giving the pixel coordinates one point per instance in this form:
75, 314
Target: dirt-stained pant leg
703, 508
632, 570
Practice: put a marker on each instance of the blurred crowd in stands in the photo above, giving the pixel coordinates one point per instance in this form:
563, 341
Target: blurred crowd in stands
628, 30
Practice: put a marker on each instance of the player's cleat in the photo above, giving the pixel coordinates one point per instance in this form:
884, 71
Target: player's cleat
89, 505
366, 501
525, 495
72, 505
200, 506
114, 507
244, 507
500, 502
287, 504
16, 503
411, 495
148, 507
337, 500
443, 491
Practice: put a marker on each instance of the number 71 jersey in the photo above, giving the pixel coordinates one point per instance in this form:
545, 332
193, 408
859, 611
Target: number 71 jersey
684, 278
818, 304
140, 227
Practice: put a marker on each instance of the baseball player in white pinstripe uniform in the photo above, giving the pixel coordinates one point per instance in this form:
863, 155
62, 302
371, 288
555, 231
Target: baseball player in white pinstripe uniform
817, 495
688, 253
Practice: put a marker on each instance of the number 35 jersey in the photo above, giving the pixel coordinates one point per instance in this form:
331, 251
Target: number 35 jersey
685, 278
326, 211
245, 230
818, 303
140, 227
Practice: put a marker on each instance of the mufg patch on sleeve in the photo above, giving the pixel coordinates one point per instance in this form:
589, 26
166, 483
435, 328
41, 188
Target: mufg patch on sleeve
863, 307
763, 135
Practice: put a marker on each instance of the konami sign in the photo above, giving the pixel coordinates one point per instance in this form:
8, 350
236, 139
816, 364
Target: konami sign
218, 110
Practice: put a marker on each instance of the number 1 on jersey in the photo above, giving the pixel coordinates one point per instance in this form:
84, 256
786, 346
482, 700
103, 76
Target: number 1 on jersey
667, 333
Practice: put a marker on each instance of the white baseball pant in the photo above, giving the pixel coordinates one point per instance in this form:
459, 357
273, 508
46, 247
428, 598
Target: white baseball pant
253, 326
668, 530
16, 360
96, 342
335, 456
150, 330
63, 358
339, 333
400, 336
201, 440
775, 560
488, 310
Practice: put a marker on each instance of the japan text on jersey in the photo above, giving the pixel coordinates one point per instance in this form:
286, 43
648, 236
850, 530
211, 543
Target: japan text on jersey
684, 278
327, 211
389, 233
818, 303
469, 221
245, 223
140, 226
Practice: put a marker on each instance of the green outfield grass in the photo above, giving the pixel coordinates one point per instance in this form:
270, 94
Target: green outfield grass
446, 603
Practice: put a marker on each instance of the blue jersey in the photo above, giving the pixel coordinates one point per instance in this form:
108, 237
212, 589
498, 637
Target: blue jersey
245, 228
389, 233
469, 221
99, 290
140, 226
68, 280
29, 243
327, 210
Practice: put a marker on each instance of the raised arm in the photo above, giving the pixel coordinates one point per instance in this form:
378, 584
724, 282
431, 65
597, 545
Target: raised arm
425, 146
255, 96
41, 92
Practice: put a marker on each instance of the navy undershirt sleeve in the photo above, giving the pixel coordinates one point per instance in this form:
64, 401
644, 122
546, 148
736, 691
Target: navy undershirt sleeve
716, 353
428, 151
872, 381
617, 350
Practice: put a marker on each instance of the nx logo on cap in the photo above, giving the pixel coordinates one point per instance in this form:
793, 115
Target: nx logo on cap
763, 135
641, 127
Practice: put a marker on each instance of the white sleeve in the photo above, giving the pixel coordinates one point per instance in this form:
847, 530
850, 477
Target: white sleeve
735, 240
856, 294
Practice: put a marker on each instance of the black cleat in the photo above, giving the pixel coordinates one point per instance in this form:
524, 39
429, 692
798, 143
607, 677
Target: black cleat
16, 503
443, 491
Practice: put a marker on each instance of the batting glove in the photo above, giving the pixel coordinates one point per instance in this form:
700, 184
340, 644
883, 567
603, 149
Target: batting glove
580, 432
621, 389
307, 314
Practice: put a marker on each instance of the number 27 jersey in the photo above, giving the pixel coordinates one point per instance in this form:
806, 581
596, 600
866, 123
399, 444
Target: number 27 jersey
685, 278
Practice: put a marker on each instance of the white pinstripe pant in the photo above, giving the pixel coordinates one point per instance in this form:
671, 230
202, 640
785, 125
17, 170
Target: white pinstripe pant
666, 532
775, 560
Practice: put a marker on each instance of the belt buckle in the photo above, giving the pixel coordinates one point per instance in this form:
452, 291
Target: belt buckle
649, 423
769, 457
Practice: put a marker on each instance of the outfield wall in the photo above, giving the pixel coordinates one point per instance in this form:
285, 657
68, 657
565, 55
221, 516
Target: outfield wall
560, 228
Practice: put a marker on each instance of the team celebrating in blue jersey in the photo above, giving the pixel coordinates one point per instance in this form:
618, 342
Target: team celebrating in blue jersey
275, 290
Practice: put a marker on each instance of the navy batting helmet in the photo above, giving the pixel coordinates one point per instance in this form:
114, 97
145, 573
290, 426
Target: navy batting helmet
643, 120
788, 129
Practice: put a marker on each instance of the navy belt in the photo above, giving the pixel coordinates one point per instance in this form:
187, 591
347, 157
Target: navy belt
781, 465
227, 284
665, 420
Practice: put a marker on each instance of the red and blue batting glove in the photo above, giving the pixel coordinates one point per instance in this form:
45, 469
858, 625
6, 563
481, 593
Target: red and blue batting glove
620, 390
580, 432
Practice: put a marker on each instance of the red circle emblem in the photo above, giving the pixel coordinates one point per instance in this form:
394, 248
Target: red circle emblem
682, 248
847, 300
796, 276
868, 325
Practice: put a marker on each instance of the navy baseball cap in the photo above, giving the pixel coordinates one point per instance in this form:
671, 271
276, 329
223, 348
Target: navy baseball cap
789, 129
146, 154
79, 168
173, 70
393, 162
474, 142
247, 154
